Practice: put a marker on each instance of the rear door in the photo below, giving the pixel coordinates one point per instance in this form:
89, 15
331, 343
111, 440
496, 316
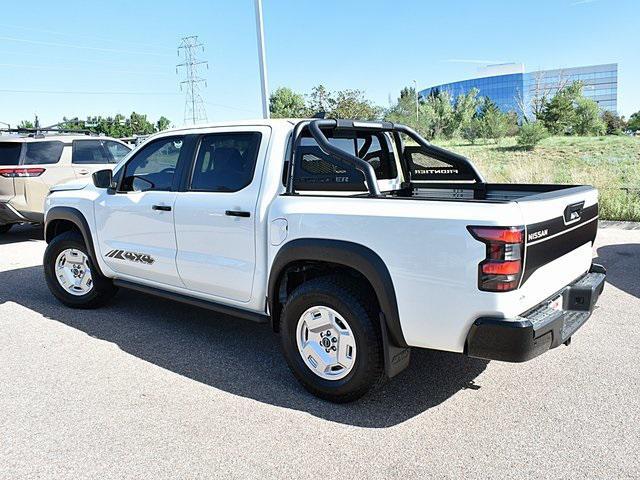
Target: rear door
216, 217
91, 155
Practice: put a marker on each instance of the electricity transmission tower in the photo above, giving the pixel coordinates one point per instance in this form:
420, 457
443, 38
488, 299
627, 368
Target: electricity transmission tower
194, 111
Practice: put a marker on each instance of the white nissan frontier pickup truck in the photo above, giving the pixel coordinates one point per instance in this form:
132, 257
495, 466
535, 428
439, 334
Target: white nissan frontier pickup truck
354, 240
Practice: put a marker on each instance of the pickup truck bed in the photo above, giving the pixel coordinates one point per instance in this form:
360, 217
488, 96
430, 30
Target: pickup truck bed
492, 192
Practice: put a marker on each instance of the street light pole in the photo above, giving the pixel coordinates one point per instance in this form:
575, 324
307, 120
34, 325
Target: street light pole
415, 88
262, 59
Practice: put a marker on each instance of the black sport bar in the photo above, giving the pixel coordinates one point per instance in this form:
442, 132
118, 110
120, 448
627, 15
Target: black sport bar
369, 173
316, 126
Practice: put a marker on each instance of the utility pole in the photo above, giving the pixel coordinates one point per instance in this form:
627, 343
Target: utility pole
262, 59
415, 89
194, 111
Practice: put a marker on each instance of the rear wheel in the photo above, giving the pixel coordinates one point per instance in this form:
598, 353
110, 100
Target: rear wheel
71, 275
331, 339
6, 227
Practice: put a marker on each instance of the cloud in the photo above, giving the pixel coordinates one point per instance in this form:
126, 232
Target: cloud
474, 60
581, 2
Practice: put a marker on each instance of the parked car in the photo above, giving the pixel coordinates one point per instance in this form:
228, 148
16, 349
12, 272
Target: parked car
351, 243
31, 165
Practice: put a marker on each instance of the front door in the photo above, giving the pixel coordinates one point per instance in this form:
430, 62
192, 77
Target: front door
135, 225
216, 217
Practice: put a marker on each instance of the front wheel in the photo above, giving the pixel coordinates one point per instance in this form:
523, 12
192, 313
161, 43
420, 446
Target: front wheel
331, 339
71, 275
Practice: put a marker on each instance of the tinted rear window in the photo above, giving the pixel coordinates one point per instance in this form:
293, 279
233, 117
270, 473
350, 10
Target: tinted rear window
316, 170
39, 153
10, 153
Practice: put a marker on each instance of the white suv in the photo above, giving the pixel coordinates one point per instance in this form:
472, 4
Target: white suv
31, 165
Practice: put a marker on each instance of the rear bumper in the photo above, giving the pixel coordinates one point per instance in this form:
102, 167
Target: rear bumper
8, 214
539, 329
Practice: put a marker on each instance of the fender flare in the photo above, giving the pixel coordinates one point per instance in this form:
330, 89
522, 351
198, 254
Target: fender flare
76, 217
349, 254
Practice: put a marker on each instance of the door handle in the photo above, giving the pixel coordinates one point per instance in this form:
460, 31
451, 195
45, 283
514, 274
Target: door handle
162, 208
83, 171
573, 211
237, 213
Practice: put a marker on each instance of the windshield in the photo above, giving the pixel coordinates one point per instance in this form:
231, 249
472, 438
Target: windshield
10, 153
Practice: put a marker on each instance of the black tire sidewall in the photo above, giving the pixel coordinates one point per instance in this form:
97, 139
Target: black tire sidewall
367, 368
102, 288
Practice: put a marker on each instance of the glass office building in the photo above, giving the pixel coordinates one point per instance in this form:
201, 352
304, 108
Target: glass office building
513, 91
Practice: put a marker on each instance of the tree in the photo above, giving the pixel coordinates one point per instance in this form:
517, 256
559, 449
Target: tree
140, 125
587, 119
163, 123
319, 100
634, 122
494, 123
118, 126
352, 104
531, 106
530, 134
472, 130
439, 110
285, 103
465, 109
559, 114
26, 124
404, 109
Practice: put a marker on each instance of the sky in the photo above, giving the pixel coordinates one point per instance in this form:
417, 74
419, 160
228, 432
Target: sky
79, 58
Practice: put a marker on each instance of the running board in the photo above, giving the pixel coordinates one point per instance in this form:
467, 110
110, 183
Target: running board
196, 302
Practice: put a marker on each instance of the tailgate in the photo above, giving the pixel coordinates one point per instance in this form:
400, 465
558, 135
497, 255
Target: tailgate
558, 225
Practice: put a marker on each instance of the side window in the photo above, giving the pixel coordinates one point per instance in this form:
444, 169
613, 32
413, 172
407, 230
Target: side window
225, 162
10, 153
153, 167
40, 153
90, 151
116, 150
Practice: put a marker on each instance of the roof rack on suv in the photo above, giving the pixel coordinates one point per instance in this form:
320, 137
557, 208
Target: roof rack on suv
40, 132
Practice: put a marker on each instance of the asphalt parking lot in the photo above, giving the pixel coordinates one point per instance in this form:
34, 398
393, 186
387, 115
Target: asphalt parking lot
147, 388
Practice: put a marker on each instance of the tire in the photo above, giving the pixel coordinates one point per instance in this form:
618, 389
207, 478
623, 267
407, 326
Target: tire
355, 308
5, 228
102, 288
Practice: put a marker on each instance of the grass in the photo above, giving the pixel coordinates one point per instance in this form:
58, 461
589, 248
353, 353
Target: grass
611, 164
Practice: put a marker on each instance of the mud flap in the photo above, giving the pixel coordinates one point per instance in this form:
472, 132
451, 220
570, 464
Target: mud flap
396, 359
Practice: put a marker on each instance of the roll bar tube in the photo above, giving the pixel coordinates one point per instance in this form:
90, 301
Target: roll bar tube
437, 152
369, 173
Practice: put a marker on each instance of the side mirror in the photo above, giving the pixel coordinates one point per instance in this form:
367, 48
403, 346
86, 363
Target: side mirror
103, 178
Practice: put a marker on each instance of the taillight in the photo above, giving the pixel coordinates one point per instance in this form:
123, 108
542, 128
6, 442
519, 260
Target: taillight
21, 172
501, 270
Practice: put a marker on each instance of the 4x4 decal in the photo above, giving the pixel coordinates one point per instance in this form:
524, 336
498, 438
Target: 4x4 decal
131, 256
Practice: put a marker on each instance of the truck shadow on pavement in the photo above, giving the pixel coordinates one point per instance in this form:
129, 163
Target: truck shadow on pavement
22, 233
238, 356
622, 262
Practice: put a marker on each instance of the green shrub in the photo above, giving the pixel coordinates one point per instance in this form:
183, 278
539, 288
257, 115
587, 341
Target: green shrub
531, 134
